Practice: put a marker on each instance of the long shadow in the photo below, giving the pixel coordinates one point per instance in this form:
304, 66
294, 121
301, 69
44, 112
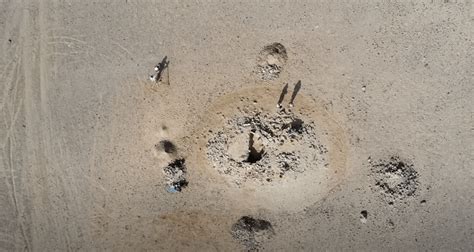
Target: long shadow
295, 92
161, 67
282, 95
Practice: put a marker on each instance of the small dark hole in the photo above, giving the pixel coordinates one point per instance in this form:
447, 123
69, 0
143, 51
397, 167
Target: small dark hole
254, 155
168, 146
364, 213
400, 165
297, 126
286, 166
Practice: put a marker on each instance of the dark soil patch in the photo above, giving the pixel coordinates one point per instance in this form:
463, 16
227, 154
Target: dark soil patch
251, 232
167, 146
175, 175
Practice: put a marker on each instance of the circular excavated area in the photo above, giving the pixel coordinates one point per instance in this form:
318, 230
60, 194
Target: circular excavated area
281, 157
265, 147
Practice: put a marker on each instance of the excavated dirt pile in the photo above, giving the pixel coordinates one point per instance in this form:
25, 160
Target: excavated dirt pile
175, 173
265, 147
271, 60
395, 178
251, 232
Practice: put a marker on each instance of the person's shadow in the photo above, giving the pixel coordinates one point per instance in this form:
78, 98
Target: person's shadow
295, 92
282, 95
161, 67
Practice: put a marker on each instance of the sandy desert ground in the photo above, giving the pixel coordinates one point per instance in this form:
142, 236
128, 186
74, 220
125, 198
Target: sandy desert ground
376, 153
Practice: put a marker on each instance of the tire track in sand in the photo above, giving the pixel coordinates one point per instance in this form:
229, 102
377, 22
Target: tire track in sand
50, 189
13, 218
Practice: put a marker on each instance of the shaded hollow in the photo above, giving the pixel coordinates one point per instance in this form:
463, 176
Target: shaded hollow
254, 154
167, 146
297, 125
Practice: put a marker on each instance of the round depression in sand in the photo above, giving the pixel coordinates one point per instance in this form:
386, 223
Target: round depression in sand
268, 156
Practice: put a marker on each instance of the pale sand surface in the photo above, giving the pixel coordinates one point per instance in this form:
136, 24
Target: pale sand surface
79, 121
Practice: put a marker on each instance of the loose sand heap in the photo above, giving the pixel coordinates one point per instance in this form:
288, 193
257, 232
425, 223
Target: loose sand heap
271, 60
395, 178
252, 232
264, 147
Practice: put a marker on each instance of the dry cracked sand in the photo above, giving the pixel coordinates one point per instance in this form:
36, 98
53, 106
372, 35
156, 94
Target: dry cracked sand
236, 126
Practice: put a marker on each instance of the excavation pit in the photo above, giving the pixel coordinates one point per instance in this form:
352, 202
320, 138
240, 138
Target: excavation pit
301, 149
270, 61
396, 178
256, 150
166, 146
264, 146
252, 232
